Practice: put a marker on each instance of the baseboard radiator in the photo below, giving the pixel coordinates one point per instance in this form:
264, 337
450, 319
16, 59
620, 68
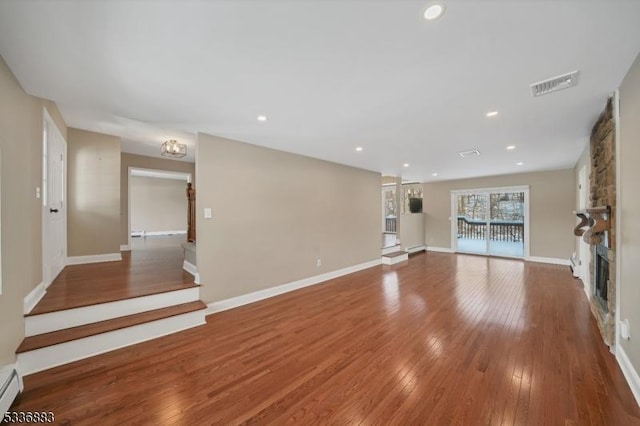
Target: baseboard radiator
9, 389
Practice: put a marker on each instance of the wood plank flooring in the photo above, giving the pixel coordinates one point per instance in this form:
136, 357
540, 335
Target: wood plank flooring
153, 266
440, 339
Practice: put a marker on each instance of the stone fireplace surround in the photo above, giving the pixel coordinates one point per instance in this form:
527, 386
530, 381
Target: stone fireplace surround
601, 216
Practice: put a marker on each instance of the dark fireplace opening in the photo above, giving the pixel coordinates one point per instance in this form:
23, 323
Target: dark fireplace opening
601, 276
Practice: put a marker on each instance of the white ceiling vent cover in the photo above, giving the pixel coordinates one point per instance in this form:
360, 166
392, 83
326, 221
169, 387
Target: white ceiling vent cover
469, 153
554, 84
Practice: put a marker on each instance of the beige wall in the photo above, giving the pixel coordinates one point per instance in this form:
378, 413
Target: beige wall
629, 225
21, 119
158, 204
412, 231
552, 202
275, 213
93, 187
144, 162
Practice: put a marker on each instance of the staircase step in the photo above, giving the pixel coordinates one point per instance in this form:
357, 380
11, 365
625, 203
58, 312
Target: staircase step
74, 333
395, 254
78, 316
395, 257
42, 352
390, 249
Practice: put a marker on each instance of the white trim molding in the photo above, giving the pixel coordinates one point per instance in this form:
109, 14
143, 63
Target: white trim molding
32, 299
192, 269
439, 249
10, 386
125, 247
416, 249
156, 233
552, 260
96, 258
629, 372
256, 296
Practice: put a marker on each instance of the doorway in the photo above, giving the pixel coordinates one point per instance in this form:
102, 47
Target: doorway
491, 222
158, 208
54, 212
389, 215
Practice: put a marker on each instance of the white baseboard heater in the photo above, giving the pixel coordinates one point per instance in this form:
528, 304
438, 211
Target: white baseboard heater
9, 389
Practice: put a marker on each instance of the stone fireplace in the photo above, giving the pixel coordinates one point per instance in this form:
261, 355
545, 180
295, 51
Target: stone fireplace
597, 226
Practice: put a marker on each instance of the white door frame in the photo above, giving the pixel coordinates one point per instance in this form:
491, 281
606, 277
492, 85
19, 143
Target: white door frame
454, 222
167, 174
50, 125
585, 250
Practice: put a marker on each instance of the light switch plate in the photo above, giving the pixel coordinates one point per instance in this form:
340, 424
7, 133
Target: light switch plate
207, 213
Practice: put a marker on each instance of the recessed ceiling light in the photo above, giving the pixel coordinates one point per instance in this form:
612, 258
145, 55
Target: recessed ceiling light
511, 147
405, 165
519, 163
262, 118
434, 11
358, 148
434, 174
492, 113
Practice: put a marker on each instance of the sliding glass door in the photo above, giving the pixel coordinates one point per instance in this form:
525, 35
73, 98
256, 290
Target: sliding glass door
490, 222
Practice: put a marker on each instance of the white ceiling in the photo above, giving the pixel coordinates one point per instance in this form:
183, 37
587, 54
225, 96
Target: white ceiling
331, 75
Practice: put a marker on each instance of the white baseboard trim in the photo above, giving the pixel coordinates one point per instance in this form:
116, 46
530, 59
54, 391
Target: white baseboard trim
396, 259
10, 386
629, 372
96, 258
192, 269
125, 247
155, 233
552, 260
416, 249
439, 249
67, 352
52, 321
32, 299
256, 296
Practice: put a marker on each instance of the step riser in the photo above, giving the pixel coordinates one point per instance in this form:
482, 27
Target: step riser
394, 260
45, 323
390, 249
65, 353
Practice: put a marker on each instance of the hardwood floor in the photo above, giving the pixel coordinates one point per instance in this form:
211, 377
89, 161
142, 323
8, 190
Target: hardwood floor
440, 339
153, 266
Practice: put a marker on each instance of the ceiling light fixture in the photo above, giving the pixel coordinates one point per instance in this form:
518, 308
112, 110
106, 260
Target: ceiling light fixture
519, 163
492, 114
405, 165
434, 11
511, 147
262, 118
172, 148
434, 174
358, 148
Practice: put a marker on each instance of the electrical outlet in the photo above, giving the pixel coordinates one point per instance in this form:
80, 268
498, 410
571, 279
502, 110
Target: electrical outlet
319, 263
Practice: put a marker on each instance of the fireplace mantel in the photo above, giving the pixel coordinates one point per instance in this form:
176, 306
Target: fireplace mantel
593, 223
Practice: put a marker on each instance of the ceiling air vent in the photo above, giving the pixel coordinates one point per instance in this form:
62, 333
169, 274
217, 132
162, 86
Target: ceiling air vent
469, 153
554, 84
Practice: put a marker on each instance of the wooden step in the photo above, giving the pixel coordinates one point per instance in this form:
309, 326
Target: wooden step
75, 317
395, 257
395, 254
75, 333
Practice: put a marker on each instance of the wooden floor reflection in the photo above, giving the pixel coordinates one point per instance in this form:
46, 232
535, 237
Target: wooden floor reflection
440, 339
